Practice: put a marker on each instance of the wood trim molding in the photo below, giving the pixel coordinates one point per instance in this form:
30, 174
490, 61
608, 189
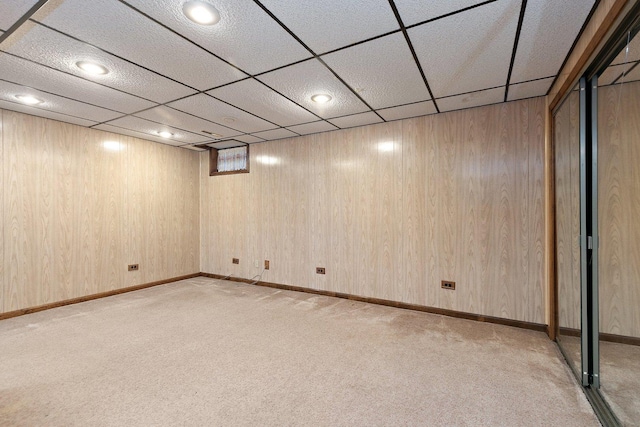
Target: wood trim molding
433, 310
583, 60
550, 215
29, 310
620, 339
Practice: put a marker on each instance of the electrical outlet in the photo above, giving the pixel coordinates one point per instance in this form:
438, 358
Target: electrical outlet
266, 264
319, 270
235, 261
133, 267
256, 263
448, 285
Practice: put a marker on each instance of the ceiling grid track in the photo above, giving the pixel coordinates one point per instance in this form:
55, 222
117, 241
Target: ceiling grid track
35, 8
515, 48
413, 52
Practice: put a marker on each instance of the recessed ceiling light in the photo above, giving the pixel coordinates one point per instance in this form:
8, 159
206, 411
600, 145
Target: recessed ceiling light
165, 134
201, 12
91, 67
321, 98
28, 99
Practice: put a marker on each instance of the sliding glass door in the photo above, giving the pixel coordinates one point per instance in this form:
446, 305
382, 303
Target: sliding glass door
597, 190
618, 180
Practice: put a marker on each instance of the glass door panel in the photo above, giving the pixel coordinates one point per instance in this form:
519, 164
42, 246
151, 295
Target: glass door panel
619, 231
567, 185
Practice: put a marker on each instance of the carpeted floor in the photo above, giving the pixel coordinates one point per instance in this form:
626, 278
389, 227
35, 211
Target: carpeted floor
210, 352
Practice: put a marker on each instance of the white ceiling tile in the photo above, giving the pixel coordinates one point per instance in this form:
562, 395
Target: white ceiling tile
115, 129
151, 129
315, 127
276, 134
245, 35
474, 99
406, 111
26, 73
301, 81
325, 25
541, 52
382, 71
133, 36
21, 108
12, 10
361, 119
529, 89
226, 144
468, 51
56, 103
209, 108
122, 131
414, 11
258, 99
178, 119
39, 44
249, 139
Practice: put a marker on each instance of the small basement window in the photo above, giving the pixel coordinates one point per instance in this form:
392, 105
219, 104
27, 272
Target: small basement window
229, 161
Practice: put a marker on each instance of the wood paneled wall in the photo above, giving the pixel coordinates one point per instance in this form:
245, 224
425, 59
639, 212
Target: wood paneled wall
619, 208
74, 213
567, 188
392, 209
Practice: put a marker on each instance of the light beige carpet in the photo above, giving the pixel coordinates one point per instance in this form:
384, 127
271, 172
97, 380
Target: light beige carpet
208, 352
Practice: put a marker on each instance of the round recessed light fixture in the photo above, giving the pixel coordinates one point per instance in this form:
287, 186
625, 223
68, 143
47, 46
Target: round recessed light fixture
201, 12
165, 134
28, 99
321, 98
92, 67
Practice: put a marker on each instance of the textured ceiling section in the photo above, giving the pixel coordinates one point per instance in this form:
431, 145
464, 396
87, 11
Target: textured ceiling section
324, 25
413, 12
540, 51
469, 51
245, 36
216, 111
36, 43
258, 99
12, 10
115, 27
382, 71
301, 81
251, 77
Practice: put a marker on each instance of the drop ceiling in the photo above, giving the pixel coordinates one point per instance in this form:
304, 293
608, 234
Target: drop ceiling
250, 77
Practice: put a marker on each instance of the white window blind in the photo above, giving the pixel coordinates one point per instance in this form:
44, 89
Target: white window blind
232, 159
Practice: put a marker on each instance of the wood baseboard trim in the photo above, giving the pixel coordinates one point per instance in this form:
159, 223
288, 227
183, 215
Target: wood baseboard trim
433, 310
570, 332
620, 339
49, 306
